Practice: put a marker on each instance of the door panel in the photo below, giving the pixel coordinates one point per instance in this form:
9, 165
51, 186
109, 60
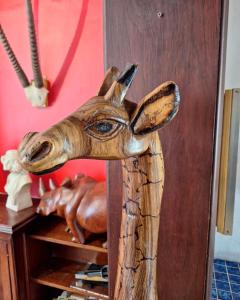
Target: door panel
173, 40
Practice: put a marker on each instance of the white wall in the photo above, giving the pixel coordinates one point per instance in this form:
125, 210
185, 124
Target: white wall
228, 247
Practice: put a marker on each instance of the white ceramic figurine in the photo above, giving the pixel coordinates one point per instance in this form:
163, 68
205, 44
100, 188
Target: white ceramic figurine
18, 183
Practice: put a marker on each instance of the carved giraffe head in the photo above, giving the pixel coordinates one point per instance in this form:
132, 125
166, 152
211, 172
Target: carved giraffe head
106, 127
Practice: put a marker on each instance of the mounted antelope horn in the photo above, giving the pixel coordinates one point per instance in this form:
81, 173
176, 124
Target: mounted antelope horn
42, 188
36, 91
37, 74
18, 69
52, 185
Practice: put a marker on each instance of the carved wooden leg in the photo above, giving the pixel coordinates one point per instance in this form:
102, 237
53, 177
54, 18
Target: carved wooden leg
105, 245
77, 233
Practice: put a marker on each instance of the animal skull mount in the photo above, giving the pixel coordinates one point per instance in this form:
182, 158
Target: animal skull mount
110, 127
81, 202
36, 91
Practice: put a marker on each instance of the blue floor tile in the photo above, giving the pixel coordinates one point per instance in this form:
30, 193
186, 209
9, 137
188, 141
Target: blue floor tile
214, 293
235, 288
222, 276
226, 280
223, 295
234, 279
232, 264
234, 271
220, 268
222, 285
219, 261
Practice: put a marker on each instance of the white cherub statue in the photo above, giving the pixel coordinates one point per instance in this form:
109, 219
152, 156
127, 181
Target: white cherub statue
18, 183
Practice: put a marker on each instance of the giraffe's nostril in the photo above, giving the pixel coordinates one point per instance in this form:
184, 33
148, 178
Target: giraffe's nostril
39, 152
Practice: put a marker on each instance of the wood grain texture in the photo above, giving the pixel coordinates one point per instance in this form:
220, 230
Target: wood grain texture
5, 290
223, 180
143, 181
188, 51
228, 166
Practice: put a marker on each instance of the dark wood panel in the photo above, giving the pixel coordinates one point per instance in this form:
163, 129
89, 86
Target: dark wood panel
5, 278
12, 272
177, 40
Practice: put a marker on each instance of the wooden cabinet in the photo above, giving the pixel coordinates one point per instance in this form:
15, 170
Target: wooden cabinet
7, 279
53, 259
38, 258
12, 271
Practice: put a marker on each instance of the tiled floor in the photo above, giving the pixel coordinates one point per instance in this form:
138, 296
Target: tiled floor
226, 280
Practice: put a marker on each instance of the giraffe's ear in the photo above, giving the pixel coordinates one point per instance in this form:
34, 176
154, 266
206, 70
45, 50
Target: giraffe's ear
156, 109
111, 75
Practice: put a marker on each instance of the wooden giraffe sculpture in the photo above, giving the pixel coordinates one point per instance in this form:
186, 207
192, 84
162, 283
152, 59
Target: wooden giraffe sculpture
110, 127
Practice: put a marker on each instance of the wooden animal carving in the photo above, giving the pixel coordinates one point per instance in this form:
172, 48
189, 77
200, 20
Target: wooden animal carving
110, 127
83, 203
36, 90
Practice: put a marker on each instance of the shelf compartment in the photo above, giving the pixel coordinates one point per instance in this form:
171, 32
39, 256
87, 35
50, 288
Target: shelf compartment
53, 230
59, 273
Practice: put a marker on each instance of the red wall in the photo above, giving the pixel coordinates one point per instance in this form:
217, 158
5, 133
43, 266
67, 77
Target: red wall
71, 51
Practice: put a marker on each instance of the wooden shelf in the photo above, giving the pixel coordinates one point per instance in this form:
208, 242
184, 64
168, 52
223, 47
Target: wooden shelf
53, 230
59, 273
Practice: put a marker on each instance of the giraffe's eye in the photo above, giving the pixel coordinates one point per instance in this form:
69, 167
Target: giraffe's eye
104, 129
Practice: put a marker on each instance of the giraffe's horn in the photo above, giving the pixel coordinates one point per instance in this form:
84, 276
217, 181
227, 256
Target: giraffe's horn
18, 69
37, 74
42, 188
52, 185
120, 86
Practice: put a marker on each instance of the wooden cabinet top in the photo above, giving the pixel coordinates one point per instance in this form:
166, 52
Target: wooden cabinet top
11, 221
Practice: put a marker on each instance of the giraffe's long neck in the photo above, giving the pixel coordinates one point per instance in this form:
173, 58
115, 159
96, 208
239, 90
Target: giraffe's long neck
143, 179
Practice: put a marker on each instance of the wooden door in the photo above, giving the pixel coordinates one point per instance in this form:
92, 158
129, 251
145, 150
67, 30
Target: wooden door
173, 40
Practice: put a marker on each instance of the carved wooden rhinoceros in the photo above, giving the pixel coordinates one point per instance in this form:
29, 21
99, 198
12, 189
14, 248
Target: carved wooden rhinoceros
82, 202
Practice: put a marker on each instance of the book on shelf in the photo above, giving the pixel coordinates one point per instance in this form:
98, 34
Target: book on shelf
91, 278
94, 273
81, 283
